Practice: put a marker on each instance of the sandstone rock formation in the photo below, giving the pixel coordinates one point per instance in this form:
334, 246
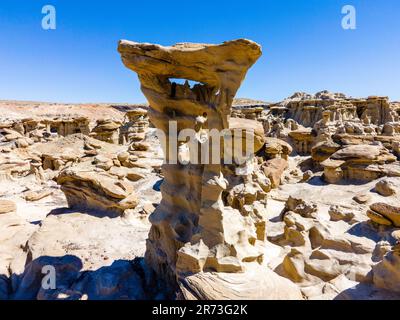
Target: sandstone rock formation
22, 133
97, 191
210, 218
327, 246
107, 130
360, 162
248, 109
386, 272
135, 128
307, 110
388, 187
384, 214
323, 123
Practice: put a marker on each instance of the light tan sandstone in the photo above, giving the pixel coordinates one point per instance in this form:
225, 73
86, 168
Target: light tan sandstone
194, 231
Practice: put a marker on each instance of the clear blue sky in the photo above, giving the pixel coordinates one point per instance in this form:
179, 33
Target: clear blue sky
304, 46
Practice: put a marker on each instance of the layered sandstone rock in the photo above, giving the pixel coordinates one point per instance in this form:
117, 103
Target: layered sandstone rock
384, 214
248, 109
107, 130
386, 274
106, 196
302, 139
134, 129
388, 187
21, 133
324, 123
277, 148
13, 165
11, 138
211, 215
308, 109
97, 191
36, 196
360, 162
318, 252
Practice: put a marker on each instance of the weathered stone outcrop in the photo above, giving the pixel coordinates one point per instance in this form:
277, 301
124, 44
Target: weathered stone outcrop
316, 252
273, 169
277, 148
384, 214
324, 123
67, 126
360, 162
302, 139
36, 196
134, 129
323, 150
210, 218
388, 187
386, 274
307, 109
13, 166
107, 130
97, 191
254, 112
22, 133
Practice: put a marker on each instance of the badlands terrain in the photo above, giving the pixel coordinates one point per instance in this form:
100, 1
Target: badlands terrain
78, 183
312, 211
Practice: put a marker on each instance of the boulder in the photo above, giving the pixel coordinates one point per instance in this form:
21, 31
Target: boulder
384, 214
362, 198
276, 147
251, 130
35, 196
323, 150
364, 153
386, 274
338, 213
307, 175
273, 169
388, 187
97, 191
258, 284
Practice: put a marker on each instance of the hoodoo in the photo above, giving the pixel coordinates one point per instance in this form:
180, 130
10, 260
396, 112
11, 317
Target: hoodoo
210, 224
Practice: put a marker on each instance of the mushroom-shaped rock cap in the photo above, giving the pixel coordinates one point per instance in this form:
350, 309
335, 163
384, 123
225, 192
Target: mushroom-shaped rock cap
206, 63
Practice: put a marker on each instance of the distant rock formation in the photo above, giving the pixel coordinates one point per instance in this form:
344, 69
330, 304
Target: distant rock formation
324, 123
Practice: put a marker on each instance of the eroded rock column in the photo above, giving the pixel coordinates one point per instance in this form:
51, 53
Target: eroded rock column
211, 217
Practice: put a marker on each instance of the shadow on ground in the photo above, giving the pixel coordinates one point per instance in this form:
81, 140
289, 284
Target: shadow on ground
91, 212
364, 291
122, 280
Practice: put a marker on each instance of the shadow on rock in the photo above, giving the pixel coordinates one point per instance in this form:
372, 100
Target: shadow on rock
157, 185
317, 181
365, 229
